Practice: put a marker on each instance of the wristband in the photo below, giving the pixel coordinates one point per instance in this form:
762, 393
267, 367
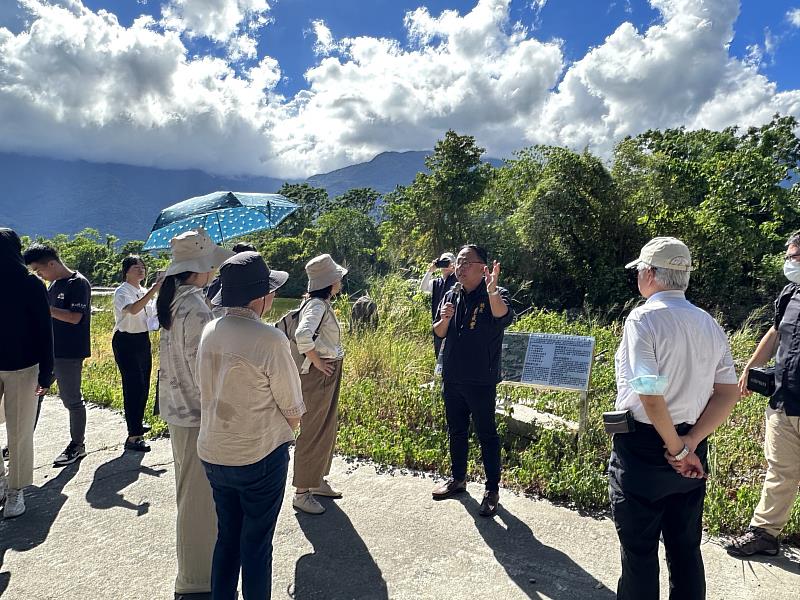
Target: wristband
683, 453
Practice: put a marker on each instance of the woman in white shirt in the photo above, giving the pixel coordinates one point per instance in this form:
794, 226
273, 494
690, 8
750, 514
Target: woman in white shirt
319, 338
134, 314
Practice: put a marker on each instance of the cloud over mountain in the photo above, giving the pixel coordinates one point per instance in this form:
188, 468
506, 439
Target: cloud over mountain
77, 84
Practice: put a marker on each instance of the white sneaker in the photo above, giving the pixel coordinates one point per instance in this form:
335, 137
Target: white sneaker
15, 504
3, 488
326, 490
307, 503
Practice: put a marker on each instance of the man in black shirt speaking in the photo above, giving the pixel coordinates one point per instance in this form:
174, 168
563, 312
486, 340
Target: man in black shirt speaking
471, 319
70, 295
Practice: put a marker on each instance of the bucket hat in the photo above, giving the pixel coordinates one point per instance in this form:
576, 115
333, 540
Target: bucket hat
323, 271
196, 252
245, 277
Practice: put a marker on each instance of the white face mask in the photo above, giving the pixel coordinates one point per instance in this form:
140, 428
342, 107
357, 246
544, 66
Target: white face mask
792, 271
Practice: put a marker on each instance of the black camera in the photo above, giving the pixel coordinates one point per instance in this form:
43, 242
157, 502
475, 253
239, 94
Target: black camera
761, 380
442, 263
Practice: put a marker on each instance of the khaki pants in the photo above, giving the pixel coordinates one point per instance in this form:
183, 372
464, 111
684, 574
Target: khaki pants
313, 453
18, 390
196, 531
782, 450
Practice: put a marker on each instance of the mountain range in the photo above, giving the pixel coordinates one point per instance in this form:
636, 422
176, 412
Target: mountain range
46, 196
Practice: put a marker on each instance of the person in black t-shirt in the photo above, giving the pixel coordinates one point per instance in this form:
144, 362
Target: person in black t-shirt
70, 295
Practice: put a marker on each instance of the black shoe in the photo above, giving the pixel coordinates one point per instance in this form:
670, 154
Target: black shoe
137, 446
754, 541
5, 453
489, 504
146, 428
73, 452
448, 489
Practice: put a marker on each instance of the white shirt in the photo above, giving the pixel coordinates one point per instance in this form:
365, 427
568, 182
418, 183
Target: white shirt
329, 341
125, 295
426, 285
670, 336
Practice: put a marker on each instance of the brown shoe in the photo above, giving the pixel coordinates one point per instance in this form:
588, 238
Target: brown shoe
489, 504
448, 489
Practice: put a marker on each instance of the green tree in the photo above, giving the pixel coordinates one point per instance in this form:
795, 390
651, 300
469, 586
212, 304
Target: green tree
727, 196
363, 200
431, 214
574, 229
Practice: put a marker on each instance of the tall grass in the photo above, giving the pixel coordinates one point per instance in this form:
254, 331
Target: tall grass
389, 414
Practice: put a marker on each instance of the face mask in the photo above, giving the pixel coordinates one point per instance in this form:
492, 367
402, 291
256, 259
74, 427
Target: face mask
649, 385
792, 271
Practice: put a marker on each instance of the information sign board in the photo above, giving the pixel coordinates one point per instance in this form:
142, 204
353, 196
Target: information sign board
547, 360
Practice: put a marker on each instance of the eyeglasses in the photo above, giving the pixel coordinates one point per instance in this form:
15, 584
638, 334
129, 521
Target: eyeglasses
462, 263
792, 257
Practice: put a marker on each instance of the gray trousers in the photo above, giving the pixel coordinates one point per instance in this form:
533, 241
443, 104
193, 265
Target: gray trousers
68, 373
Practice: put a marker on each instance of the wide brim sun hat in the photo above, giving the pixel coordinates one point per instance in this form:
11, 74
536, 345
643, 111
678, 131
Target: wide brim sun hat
323, 271
195, 252
245, 277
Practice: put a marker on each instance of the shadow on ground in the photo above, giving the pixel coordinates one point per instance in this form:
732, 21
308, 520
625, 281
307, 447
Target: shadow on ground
341, 567
537, 569
29, 530
114, 476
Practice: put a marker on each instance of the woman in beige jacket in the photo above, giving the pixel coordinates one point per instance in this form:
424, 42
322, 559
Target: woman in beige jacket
319, 338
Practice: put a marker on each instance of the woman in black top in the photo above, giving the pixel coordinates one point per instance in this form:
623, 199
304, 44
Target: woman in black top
26, 366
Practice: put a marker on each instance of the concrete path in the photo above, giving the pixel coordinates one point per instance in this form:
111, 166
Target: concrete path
103, 530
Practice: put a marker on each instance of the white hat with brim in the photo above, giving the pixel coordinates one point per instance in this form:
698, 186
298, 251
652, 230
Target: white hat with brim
323, 271
666, 253
195, 252
448, 256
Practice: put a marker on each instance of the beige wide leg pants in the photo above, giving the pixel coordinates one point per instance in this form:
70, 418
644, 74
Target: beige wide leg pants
782, 450
196, 523
18, 390
313, 452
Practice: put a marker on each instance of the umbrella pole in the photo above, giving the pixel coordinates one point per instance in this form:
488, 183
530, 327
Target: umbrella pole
221, 235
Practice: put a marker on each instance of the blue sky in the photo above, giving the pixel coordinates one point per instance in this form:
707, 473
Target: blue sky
581, 24
291, 87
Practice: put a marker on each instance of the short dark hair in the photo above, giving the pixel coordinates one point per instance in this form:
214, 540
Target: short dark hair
40, 253
128, 262
243, 247
481, 252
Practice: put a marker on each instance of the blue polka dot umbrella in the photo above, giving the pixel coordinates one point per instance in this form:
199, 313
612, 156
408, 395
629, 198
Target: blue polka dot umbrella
224, 215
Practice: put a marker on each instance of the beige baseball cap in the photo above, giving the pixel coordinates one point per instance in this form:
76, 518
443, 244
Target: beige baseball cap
664, 252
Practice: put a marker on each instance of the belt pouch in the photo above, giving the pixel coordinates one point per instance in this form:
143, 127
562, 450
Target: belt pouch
618, 421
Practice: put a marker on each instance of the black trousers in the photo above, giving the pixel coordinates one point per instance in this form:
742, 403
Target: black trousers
132, 353
460, 402
649, 500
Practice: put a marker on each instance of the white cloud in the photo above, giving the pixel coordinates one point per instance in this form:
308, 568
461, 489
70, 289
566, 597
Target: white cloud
793, 16
77, 84
219, 20
325, 43
678, 72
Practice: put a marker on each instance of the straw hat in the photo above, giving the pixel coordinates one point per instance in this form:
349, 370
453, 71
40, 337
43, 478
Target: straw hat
196, 252
323, 271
